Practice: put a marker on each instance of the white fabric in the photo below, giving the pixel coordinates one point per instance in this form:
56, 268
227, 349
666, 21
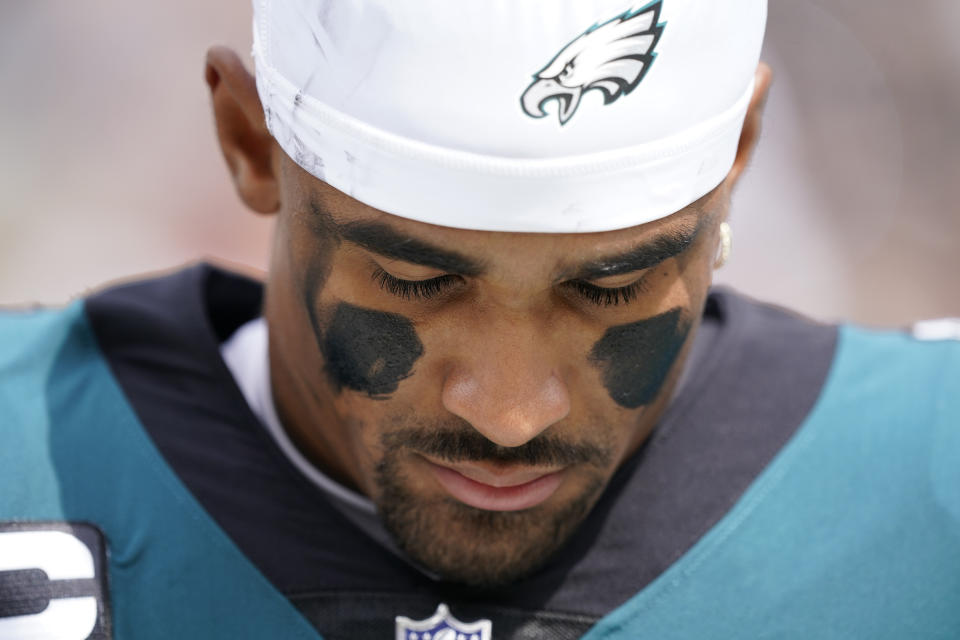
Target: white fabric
246, 356
938, 329
62, 619
422, 108
61, 556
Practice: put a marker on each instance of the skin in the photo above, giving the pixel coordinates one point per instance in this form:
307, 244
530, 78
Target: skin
519, 360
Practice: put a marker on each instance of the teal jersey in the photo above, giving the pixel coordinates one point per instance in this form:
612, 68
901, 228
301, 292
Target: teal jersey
853, 531
73, 450
850, 527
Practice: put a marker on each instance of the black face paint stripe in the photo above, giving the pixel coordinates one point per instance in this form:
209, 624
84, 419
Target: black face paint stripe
366, 350
635, 358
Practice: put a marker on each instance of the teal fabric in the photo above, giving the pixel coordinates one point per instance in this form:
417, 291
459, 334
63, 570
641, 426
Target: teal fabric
71, 448
853, 531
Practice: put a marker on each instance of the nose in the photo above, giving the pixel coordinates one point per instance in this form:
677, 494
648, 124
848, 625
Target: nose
507, 390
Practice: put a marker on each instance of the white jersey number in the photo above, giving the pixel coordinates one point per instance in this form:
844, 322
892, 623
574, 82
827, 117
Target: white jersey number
61, 556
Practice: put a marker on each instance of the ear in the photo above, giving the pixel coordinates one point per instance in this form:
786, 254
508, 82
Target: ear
751, 124
244, 139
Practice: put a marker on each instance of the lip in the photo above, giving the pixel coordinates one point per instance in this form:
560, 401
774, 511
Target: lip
508, 490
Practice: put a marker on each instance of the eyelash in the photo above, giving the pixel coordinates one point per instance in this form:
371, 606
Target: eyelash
609, 297
426, 289
413, 289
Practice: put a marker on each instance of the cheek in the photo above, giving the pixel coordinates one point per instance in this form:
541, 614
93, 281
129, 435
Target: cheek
368, 351
636, 358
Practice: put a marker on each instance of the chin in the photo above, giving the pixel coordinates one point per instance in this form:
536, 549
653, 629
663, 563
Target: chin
473, 546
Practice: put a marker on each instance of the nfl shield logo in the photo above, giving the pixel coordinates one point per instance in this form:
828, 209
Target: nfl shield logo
442, 626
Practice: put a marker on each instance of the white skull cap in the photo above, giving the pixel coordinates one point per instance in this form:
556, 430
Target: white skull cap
508, 115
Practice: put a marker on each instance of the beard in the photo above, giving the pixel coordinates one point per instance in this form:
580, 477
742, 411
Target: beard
473, 546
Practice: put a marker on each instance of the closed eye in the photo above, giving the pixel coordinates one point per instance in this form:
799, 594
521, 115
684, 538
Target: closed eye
608, 296
432, 287
414, 289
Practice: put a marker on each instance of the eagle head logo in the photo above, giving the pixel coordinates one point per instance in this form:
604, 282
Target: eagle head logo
612, 57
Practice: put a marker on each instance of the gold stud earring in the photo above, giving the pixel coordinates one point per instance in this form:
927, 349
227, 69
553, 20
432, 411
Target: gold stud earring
726, 242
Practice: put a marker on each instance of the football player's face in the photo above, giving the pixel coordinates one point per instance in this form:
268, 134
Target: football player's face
480, 387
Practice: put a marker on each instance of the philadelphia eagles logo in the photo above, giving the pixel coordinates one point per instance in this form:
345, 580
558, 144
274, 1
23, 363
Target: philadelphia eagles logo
612, 57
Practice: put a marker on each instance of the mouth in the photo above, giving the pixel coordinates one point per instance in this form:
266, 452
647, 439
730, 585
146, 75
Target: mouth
495, 489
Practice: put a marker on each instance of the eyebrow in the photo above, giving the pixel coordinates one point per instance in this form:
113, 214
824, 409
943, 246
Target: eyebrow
386, 241
650, 253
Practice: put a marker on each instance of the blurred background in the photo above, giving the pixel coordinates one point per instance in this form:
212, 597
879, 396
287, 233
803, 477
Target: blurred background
109, 166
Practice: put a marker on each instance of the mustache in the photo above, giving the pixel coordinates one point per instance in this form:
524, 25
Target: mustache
464, 444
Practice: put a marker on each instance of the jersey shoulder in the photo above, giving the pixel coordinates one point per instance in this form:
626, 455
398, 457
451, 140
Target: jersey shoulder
83, 482
31, 342
29, 338
899, 370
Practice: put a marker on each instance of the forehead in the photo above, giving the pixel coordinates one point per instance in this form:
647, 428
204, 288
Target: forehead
496, 250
